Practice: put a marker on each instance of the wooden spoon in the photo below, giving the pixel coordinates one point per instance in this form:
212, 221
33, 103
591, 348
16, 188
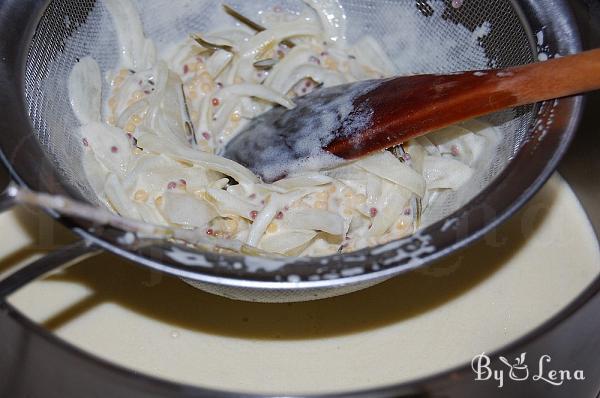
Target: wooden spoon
354, 120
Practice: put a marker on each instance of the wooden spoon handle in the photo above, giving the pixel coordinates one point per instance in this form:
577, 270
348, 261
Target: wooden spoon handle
556, 78
406, 107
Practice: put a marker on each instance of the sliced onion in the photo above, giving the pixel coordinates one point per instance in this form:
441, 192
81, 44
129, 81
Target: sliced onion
374, 190
304, 180
110, 146
298, 56
429, 146
314, 72
264, 218
315, 219
390, 207
387, 166
150, 214
115, 194
256, 91
260, 43
445, 173
228, 167
461, 143
333, 19
186, 210
96, 175
369, 52
85, 90
286, 241
218, 62
417, 155
231, 205
137, 52
275, 203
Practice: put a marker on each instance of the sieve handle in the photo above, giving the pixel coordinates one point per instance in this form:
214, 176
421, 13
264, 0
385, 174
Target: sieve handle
63, 257
6, 201
409, 106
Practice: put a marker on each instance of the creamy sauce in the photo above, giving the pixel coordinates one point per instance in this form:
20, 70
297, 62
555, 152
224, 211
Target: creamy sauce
153, 153
481, 298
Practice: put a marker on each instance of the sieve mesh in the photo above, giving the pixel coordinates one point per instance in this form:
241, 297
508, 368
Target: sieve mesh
419, 36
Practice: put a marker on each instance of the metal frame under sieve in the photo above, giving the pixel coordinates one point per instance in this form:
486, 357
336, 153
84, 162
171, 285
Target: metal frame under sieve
531, 166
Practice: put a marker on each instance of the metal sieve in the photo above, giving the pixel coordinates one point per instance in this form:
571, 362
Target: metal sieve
41, 147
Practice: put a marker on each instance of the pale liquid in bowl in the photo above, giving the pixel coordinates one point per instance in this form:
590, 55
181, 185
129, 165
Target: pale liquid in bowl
412, 326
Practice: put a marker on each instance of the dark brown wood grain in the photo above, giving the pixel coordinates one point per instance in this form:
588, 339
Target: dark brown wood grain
406, 107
